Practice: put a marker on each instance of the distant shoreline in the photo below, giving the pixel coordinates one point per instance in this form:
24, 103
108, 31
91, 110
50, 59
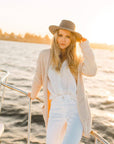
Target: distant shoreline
38, 39
92, 45
24, 42
27, 37
102, 46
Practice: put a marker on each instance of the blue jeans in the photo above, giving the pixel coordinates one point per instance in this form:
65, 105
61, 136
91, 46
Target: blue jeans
64, 125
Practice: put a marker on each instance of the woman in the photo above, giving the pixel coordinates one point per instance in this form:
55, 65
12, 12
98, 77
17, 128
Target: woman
59, 70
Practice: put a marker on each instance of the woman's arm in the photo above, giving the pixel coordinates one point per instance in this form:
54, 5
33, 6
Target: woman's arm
88, 65
37, 80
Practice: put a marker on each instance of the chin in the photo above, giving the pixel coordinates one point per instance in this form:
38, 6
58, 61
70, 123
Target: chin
62, 48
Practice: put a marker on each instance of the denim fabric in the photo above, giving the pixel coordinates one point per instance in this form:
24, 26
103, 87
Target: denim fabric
63, 112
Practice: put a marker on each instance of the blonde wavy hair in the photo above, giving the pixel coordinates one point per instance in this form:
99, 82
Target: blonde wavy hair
70, 55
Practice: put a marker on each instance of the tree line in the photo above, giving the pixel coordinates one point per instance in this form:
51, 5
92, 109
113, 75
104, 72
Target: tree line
32, 38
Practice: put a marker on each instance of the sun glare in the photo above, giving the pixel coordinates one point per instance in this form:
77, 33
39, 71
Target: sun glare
78, 50
102, 27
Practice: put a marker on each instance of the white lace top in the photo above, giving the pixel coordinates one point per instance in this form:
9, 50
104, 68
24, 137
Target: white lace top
61, 84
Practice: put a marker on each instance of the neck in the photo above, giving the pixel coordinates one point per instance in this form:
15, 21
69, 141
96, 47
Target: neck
63, 51
63, 55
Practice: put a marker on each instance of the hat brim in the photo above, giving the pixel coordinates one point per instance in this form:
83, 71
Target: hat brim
54, 28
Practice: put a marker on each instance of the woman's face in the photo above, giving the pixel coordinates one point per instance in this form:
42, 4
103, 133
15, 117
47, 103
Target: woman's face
64, 39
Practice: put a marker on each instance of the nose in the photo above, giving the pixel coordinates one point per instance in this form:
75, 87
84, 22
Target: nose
63, 39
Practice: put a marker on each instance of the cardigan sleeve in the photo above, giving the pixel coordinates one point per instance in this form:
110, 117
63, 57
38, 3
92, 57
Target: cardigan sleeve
88, 65
37, 79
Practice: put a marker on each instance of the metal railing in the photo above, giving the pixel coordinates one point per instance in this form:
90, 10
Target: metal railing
4, 78
98, 138
3, 82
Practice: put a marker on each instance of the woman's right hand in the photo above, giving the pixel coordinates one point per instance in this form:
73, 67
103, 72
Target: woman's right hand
29, 95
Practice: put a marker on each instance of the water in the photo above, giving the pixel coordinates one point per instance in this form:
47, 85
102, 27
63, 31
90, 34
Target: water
20, 60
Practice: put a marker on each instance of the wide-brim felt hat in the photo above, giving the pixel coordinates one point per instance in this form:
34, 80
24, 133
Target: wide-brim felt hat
66, 25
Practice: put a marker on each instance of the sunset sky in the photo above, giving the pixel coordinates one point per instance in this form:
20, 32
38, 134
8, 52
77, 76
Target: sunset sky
93, 18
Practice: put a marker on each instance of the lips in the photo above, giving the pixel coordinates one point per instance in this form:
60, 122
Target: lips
62, 44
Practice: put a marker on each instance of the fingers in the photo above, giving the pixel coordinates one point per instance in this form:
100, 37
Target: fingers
83, 39
29, 94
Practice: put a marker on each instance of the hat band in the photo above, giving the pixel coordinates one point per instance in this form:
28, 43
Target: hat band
67, 26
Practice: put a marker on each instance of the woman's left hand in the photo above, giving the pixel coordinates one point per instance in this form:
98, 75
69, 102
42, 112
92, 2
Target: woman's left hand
83, 39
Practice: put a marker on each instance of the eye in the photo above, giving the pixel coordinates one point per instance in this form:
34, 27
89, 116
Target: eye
68, 37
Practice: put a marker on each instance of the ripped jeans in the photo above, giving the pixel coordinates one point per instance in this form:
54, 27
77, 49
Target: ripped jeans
64, 125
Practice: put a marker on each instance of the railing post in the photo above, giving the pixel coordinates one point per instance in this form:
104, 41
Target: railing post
29, 121
96, 141
3, 93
